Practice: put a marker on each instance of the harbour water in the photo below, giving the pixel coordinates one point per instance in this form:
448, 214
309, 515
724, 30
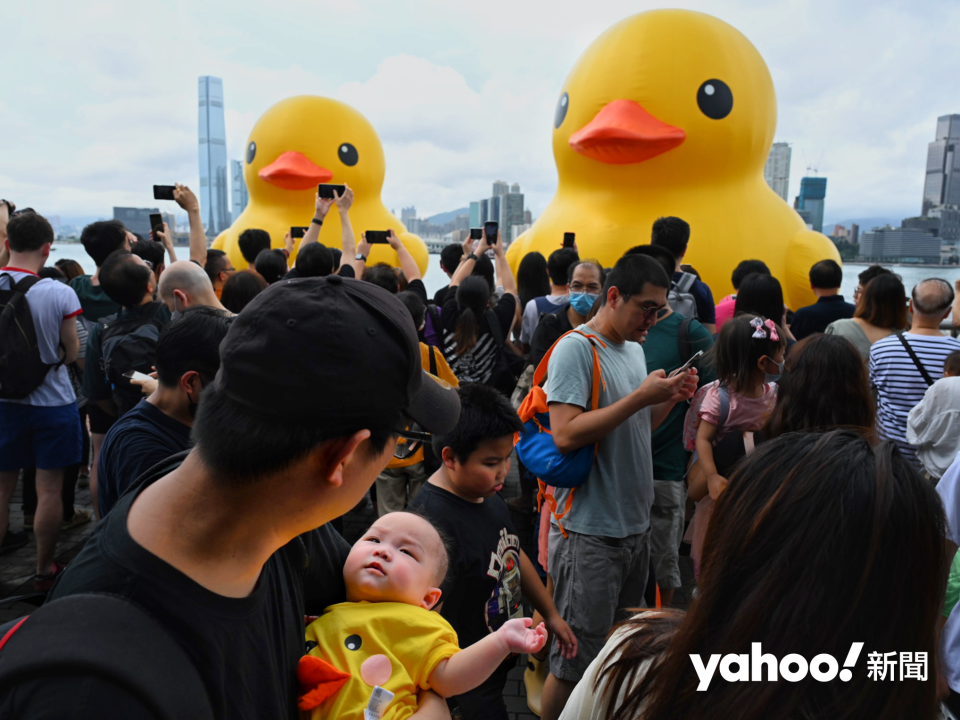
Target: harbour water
436, 279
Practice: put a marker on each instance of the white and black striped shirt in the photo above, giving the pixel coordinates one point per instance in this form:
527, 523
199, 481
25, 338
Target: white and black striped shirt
900, 385
478, 363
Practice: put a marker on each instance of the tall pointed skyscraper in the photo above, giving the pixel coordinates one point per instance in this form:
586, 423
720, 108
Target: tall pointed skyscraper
942, 183
214, 190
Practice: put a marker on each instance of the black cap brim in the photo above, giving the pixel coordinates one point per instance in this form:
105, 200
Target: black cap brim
436, 405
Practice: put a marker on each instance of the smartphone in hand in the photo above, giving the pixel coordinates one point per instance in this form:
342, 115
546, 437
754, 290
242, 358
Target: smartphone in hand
377, 237
163, 192
326, 191
569, 239
298, 231
491, 227
156, 224
134, 375
476, 233
687, 365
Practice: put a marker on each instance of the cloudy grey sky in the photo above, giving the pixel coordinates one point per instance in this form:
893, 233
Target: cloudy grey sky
99, 98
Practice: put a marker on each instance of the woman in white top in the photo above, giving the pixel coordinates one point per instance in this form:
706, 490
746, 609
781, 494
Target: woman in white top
807, 553
881, 311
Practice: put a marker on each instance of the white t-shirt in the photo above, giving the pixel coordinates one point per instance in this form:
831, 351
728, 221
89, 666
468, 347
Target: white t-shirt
531, 316
949, 490
51, 302
933, 426
900, 386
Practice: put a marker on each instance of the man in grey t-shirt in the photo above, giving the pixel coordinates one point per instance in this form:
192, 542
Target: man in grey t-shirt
601, 565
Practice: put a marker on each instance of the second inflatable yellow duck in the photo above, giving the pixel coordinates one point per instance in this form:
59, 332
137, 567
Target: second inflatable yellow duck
299, 143
673, 112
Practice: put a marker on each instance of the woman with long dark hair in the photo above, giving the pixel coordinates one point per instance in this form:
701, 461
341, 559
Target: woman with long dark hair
471, 345
532, 278
807, 553
881, 311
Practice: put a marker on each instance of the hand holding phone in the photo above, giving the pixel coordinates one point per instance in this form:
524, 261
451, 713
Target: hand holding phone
687, 365
377, 237
156, 225
163, 192
326, 191
298, 231
476, 233
134, 375
491, 229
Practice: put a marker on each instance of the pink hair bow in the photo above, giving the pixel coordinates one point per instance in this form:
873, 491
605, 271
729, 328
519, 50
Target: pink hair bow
764, 329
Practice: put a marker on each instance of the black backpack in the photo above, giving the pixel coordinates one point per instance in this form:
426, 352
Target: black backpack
22, 370
112, 639
129, 343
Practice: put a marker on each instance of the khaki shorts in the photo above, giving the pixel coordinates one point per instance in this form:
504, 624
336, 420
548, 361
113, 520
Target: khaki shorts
666, 530
596, 581
396, 487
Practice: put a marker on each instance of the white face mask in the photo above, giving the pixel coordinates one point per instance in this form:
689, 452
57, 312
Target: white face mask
768, 378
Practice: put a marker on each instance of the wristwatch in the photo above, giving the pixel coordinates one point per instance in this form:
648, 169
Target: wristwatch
360, 258
472, 256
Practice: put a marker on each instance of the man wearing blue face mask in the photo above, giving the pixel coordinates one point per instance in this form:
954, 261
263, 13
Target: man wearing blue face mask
585, 287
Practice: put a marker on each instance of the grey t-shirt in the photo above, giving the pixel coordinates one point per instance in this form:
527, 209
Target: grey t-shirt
615, 500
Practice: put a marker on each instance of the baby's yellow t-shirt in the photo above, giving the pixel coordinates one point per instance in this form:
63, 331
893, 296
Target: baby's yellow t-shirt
349, 634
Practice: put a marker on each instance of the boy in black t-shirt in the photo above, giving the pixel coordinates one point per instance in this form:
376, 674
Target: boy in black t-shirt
488, 571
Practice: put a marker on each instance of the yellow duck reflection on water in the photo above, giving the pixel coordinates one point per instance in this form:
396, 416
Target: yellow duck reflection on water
303, 141
673, 112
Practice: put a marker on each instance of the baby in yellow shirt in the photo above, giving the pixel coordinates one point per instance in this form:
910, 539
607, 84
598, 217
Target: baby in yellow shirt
374, 653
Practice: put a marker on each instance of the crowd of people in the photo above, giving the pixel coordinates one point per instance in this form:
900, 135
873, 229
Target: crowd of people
227, 418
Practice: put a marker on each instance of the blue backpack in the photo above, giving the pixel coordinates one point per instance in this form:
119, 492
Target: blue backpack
535, 446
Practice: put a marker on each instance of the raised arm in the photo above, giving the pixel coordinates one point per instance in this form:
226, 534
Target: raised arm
504, 274
5, 210
198, 238
166, 239
468, 668
347, 238
411, 270
468, 263
321, 208
69, 339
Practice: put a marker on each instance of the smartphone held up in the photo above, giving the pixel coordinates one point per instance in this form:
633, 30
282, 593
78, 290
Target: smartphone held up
163, 192
156, 225
377, 237
491, 228
569, 239
298, 231
326, 191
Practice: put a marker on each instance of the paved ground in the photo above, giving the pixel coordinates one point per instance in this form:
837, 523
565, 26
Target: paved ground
17, 569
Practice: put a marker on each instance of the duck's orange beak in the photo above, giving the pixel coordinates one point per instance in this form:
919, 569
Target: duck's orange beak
294, 171
623, 133
319, 680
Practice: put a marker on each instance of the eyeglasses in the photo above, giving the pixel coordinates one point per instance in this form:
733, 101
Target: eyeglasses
410, 439
650, 312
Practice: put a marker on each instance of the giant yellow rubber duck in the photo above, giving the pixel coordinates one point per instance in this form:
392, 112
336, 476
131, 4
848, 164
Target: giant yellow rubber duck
303, 141
673, 112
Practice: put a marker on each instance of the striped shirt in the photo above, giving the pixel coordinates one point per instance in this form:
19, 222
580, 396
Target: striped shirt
478, 363
900, 385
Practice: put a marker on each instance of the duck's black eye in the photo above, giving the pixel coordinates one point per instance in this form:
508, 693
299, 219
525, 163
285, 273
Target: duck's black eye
353, 642
715, 99
251, 152
348, 156
561, 113
311, 644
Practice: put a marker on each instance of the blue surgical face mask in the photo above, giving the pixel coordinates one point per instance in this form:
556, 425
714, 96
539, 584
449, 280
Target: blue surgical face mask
583, 302
767, 378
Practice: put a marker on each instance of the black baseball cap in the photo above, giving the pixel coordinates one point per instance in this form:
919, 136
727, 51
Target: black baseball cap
331, 349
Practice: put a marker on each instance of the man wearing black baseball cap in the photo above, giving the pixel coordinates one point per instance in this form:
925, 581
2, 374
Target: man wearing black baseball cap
223, 544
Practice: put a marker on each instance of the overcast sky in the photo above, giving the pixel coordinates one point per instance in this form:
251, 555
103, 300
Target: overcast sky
99, 99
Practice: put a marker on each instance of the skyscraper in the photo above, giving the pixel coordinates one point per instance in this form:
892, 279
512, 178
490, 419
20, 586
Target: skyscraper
777, 170
475, 214
813, 191
239, 187
511, 213
407, 214
500, 188
942, 184
136, 220
214, 194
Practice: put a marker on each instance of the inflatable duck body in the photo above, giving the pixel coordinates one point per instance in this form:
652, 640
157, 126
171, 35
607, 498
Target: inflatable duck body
299, 143
673, 112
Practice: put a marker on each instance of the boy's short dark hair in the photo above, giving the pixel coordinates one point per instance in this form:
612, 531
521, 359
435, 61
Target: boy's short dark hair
415, 305
952, 363
485, 414
748, 267
191, 342
216, 262
826, 275
252, 242
558, 265
383, 276
658, 253
314, 260
124, 280
671, 233
450, 257
272, 265
102, 238
150, 251
631, 273
28, 232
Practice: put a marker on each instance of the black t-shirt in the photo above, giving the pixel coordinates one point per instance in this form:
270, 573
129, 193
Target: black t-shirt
246, 650
552, 327
417, 286
482, 589
440, 295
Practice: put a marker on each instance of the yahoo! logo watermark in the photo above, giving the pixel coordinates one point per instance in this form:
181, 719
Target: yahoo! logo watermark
792, 667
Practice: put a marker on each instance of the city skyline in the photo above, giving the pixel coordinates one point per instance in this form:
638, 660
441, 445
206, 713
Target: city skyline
102, 127
214, 191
